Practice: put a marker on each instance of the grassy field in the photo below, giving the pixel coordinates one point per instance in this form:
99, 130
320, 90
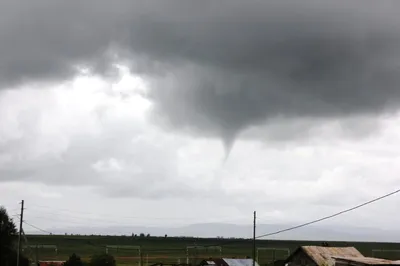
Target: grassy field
173, 250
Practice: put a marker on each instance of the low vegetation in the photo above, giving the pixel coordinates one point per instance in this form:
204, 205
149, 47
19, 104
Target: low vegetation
96, 260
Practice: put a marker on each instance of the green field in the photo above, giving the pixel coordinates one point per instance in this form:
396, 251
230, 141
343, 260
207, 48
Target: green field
173, 250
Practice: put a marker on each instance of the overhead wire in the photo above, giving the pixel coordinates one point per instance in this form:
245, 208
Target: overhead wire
330, 216
37, 228
311, 222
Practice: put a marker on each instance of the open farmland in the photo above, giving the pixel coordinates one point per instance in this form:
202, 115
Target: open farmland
174, 249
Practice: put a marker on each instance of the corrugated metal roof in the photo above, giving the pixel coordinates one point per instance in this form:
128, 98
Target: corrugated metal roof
323, 255
368, 260
240, 262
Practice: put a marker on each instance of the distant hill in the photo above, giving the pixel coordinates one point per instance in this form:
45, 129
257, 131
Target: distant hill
339, 233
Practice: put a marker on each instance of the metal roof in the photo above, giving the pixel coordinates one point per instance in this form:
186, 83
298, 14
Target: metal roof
368, 260
240, 262
323, 255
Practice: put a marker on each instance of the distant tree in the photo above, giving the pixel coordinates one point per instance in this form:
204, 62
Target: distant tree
148, 235
166, 236
325, 244
8, 234
141, 235
102, 260
74, 260
8, 237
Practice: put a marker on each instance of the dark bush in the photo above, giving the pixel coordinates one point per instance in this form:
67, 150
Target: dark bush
102, 260
12, 261
74, 260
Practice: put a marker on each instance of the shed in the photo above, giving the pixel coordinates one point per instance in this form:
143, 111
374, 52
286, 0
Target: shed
234, 262
320, 256
364, 261
207, 262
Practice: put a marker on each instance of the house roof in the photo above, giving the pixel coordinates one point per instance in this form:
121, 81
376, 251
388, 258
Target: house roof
367, 260
239, 262
234, 262
323, 255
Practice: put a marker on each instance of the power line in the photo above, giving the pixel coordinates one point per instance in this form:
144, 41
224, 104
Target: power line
330, 216
13, 210
40, 229
314, 221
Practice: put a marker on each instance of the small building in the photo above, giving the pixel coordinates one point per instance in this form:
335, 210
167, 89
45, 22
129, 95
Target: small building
320, 256
364, 261
207, 262
234, 262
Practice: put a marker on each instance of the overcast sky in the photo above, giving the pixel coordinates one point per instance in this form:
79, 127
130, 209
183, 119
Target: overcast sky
171, 113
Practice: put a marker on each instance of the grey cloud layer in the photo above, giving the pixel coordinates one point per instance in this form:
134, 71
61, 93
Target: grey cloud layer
218, 67
125, 167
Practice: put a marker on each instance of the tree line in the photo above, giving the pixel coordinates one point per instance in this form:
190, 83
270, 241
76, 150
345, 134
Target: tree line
8, 247
8, 241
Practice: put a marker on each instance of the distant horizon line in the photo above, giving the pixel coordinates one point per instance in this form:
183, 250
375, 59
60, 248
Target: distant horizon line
211, 238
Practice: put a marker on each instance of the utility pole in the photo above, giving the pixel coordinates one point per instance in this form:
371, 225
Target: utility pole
20, 231
28, 247
37, 253
254, 239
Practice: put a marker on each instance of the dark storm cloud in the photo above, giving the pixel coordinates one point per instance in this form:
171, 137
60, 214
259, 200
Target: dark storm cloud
281, 59
218, 67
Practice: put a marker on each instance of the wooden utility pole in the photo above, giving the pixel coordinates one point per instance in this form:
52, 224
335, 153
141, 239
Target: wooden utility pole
254, 239
28, 247
20, 231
